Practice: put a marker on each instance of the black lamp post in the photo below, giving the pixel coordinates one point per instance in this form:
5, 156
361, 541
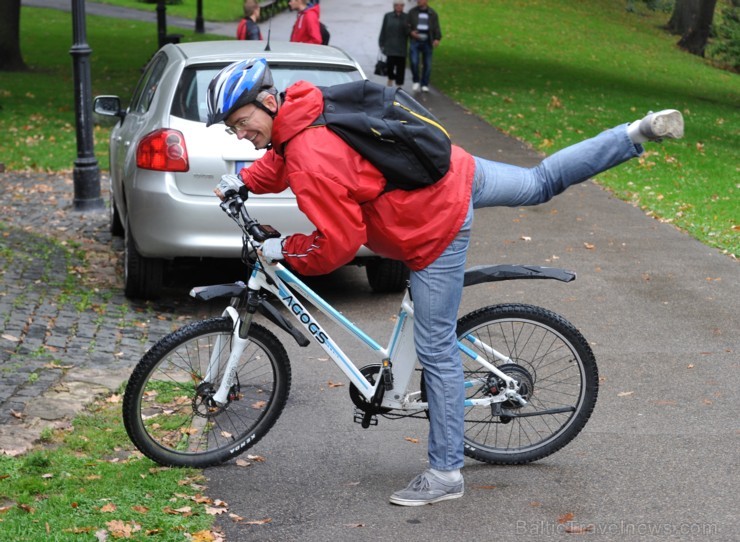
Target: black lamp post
199, 28
161, 23
86, 173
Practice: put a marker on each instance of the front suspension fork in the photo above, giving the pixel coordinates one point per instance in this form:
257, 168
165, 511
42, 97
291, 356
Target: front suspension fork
239, 341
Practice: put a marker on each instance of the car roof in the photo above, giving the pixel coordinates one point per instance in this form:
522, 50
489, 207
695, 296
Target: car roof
280, 51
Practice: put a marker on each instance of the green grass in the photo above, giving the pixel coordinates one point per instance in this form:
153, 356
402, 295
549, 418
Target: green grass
551, 73
213, 10
37, 119
87, 484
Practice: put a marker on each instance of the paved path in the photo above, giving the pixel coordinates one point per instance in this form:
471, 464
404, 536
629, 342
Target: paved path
658, 460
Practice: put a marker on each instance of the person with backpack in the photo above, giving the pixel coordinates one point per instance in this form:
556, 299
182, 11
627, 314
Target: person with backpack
248, 28
306, 28
425, 34
428, 228
394, 42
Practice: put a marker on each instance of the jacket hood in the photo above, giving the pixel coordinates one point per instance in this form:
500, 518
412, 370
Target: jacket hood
302, 105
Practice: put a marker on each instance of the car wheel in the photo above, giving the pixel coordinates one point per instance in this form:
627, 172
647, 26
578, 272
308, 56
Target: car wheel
142, 276
386, 276
116, 226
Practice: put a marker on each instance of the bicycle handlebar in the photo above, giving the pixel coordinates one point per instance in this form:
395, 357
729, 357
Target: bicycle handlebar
235, 208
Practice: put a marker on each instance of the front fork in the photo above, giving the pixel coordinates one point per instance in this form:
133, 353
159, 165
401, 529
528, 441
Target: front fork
239, 342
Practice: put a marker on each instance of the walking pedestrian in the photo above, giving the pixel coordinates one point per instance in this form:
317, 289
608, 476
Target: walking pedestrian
306, 28
425, 34
428, 229
248, 28
394, 42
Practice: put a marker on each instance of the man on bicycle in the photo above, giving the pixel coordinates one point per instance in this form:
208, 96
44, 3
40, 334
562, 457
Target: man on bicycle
428, 229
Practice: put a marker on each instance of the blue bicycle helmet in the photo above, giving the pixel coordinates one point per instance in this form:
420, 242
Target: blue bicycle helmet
236, 86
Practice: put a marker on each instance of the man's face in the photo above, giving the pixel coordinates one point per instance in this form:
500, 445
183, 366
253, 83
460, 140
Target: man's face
252, 123
422, 3
296, 5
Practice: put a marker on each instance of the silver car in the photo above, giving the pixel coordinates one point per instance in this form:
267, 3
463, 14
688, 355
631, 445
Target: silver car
165, 163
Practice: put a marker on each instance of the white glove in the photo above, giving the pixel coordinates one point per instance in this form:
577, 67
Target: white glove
232, 184
272, 249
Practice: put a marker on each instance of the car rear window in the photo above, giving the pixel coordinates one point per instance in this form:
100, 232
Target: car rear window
189, 101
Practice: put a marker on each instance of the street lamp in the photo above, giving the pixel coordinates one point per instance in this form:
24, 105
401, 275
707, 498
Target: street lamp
199, 27
86, 173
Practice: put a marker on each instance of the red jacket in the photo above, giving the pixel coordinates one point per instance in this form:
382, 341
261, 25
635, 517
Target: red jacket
306, 28
341, 193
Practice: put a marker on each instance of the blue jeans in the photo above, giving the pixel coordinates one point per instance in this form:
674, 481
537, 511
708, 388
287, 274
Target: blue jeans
423, 49
437, 289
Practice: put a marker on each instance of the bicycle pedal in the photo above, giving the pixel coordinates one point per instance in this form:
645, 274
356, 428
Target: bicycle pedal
360, 417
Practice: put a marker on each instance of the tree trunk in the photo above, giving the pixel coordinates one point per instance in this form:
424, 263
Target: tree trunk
695, 39
10, 36
683, 17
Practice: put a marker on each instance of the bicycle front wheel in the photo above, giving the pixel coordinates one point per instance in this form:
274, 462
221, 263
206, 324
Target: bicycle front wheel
555, 368
168, 407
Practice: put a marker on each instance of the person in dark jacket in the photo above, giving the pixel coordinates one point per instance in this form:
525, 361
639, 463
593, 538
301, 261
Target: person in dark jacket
428, 229
425, 34
248, 28
394, 42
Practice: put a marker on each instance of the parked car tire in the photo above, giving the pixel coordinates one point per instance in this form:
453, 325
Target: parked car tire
143, 277
116, 226
386, 276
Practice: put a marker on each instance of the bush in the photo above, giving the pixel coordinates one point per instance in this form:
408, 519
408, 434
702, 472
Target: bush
725, 46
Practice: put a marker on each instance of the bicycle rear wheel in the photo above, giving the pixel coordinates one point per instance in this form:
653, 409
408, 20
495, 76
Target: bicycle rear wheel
554, 364
168, 409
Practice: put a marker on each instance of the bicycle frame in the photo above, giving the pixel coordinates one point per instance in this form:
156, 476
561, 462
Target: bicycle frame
397, 361
400, 352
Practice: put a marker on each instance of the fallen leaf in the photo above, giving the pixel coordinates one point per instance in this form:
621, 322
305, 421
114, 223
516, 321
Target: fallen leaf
258, 521
589, 246
565, 518
334, 384
625, 393
577, 529
525, 238
203, 536
109, 507
257, 458
242, 463
234, 517
11, 338
411, 440
354, 525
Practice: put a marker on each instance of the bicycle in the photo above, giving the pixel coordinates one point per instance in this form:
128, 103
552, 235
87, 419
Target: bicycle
212, 389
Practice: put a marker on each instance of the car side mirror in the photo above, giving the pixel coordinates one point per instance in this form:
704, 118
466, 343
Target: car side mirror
109, 106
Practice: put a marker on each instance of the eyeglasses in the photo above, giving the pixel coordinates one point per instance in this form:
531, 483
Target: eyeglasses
240, 126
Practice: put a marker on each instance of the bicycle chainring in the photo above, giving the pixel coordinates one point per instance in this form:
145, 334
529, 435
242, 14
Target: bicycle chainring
369, 372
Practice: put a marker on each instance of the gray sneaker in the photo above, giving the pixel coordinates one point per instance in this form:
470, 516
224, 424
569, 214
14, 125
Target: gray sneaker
666, 124
427, 489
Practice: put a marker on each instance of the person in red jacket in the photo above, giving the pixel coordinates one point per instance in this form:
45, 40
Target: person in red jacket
428, 228
306, 28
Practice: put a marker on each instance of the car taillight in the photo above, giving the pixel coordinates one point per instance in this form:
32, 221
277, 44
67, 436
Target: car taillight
163, 150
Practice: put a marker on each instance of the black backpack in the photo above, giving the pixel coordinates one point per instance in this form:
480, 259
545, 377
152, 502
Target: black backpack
391, 130
324, 34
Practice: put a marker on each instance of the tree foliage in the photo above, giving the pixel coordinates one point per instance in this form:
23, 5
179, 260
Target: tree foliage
725, 45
